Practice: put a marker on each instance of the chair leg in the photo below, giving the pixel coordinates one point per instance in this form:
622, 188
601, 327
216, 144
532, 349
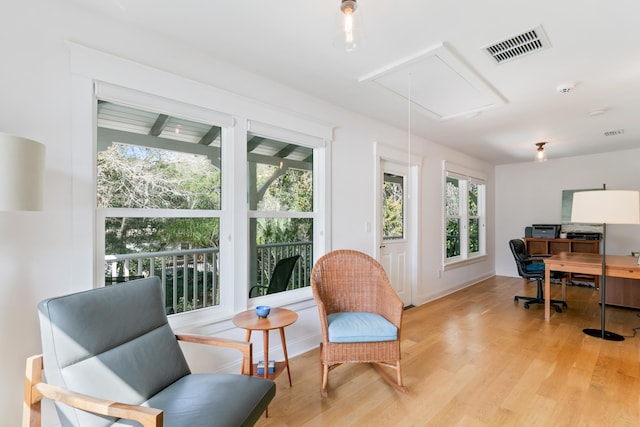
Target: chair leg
385, 376
324, 374
31, 407
325, 380
539, 298
399, 376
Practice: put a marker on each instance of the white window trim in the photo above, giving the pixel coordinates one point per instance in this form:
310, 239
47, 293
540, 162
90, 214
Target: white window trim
145, 101
466, 175
285, 135
320, 184
150, 102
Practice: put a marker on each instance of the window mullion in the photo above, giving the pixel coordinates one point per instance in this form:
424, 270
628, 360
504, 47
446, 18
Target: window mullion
464, 222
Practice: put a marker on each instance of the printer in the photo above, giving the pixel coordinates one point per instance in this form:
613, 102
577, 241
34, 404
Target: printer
545, 231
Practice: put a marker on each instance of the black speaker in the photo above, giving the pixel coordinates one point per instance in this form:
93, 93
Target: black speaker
528, 232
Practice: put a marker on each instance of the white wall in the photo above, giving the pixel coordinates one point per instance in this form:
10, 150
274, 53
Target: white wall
531, 193
36, 248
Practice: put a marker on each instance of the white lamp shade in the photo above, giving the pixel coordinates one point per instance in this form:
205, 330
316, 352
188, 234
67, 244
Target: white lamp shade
21, 173
606, 207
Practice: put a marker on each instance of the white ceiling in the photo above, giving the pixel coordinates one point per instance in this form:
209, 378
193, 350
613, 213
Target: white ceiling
593, 43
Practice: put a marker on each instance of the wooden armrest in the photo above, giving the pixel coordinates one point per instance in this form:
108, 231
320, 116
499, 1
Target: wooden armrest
144, 415
219, 342
244, 347
35, 390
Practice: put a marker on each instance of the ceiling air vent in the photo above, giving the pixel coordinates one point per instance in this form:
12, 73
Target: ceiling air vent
519, 45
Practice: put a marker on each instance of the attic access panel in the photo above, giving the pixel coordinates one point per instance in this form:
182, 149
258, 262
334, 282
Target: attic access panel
438, 83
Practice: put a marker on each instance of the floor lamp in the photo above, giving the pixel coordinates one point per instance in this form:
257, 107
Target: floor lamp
21, 173
605, 207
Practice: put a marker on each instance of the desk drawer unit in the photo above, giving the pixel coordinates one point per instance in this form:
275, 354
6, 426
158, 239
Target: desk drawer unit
623, 292
538, 246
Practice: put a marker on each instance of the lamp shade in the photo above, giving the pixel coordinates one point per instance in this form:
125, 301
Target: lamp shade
21, 173
606, 207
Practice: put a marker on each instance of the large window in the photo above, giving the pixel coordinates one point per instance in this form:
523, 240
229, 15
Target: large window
159, 198
160, 205
281, 211
160, 182
464, 233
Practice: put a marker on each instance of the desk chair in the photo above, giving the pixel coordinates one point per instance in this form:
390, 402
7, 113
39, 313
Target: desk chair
531, 268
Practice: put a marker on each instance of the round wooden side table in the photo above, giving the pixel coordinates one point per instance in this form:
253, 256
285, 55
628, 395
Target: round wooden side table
278, 318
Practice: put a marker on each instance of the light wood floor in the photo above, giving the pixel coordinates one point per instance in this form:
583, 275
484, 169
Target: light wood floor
474, 358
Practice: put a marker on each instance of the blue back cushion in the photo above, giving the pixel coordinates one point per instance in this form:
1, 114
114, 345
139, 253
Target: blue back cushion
113, 342
360, 327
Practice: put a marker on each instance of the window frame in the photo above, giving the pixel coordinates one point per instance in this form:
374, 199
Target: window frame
465, 177
318, 146
149, 102
403, 238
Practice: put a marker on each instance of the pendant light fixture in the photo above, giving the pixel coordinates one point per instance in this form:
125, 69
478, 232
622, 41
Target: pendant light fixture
349, 36
540, 155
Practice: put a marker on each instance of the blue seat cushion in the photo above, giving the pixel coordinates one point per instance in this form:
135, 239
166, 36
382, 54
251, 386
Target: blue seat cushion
360, 327
535, 267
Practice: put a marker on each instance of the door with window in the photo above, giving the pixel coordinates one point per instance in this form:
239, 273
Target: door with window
394, 242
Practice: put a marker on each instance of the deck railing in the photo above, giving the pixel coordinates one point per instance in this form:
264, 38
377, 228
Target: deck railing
269, 255
200, 270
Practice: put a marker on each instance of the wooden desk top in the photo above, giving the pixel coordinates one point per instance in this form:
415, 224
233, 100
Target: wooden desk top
277, 318
625, 264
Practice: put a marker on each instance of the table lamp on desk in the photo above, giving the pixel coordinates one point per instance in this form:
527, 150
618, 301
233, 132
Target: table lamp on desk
605, 207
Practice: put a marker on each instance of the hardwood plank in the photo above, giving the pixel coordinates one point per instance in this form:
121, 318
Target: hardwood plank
474, 358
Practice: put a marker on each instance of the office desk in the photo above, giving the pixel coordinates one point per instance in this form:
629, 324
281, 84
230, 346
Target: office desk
617, 266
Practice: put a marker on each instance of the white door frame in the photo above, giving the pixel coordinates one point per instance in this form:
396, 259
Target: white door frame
414, 162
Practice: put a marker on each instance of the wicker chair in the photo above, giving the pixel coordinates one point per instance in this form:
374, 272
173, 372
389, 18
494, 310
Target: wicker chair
351, 282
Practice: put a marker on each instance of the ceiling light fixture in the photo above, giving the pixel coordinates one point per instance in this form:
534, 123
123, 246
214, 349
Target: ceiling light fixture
540, 155
349, 36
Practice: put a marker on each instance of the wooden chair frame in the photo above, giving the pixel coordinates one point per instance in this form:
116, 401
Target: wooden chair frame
35, 390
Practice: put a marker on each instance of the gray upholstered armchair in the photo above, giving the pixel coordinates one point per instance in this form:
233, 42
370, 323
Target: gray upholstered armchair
111, 358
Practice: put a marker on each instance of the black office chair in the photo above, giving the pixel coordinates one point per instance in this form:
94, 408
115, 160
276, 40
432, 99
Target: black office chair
279, 278
531, 268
